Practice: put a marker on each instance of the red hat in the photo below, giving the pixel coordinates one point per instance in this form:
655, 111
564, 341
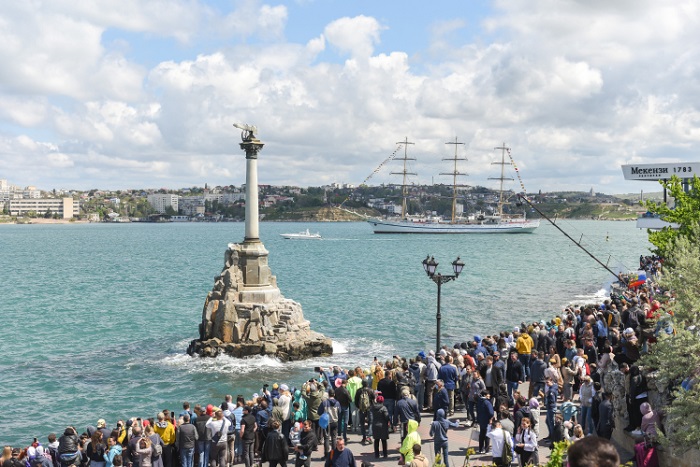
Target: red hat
210, 410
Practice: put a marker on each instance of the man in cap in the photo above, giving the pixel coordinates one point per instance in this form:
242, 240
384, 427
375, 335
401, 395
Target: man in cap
203, 442
102, 427
217, 429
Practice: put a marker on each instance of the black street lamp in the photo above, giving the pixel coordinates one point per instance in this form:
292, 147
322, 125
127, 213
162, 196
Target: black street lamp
430, 266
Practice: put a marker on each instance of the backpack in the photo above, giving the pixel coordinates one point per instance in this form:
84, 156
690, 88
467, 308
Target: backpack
614, 319
232, 426
157, 451
507, 453
332, 411
364, 402
632, 319
54, 456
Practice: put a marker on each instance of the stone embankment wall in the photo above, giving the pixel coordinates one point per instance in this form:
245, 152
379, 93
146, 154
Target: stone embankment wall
668, 457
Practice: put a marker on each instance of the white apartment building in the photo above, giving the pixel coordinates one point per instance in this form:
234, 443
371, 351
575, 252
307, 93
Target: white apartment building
161, 202
66, 208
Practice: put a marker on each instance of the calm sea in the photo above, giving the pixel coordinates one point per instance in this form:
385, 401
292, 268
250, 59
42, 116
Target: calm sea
96, 318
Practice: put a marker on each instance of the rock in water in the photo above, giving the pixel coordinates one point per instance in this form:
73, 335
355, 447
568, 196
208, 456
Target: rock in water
245, 314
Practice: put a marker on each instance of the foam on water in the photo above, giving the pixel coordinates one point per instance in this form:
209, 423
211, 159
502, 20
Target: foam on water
339, 348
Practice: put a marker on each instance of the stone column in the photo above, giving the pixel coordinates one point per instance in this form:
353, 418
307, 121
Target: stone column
251, 146
245, 314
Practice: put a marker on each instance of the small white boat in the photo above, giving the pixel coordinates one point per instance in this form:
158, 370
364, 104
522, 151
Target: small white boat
302, 236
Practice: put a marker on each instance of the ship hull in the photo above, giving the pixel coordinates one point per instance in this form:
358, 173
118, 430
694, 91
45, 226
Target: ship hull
400, 227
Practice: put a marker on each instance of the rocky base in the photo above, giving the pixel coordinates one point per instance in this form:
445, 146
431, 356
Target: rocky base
317, 345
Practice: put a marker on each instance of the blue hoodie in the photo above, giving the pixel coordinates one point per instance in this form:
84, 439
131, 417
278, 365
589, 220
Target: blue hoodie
438, 429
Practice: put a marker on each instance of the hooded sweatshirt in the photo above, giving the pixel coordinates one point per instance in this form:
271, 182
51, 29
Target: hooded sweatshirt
166, 430
411, 438
301, 401
649, 420
438, 429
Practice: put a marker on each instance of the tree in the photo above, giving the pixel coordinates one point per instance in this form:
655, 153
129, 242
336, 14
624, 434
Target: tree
686, 212
674, 358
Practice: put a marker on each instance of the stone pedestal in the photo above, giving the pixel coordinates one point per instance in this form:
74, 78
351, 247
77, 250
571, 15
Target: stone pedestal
245, 314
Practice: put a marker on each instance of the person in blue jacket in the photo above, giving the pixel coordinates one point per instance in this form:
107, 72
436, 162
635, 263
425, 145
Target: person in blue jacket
438, 430
484, 414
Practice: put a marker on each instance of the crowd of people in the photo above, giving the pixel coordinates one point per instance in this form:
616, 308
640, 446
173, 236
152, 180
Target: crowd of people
581, 367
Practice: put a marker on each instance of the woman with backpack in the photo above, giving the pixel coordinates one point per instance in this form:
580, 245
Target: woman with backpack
156, 445
144, 452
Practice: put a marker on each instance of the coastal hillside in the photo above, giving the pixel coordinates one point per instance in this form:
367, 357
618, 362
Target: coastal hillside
588, 211
320, 214
594, 211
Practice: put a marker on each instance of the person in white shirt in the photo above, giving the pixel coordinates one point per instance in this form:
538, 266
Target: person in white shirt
217, 428
498, 439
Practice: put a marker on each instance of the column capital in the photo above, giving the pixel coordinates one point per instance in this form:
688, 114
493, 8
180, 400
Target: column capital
252, 147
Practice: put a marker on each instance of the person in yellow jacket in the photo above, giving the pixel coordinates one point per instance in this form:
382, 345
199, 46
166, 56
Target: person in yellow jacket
412, 437
524, 345
166, 430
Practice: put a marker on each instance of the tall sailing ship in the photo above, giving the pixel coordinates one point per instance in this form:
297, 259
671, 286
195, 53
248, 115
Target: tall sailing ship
480, 223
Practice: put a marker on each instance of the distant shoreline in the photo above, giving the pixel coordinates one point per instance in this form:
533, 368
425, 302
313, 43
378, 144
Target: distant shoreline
315, 221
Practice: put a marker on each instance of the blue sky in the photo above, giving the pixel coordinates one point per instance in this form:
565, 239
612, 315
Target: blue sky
143, 94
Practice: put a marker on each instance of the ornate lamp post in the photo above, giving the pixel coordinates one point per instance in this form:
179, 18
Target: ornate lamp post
430, 266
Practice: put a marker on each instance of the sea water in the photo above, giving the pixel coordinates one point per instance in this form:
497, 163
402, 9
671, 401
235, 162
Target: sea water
96, 318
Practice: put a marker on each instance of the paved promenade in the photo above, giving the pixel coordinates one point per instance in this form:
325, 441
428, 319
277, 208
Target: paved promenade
460, 439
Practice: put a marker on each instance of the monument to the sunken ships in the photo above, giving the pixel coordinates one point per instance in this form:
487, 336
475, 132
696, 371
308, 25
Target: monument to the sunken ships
245, 314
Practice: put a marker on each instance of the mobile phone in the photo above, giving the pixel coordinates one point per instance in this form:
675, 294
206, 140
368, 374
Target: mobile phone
317, 369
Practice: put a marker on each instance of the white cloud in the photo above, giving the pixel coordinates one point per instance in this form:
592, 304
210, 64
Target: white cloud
23, 111
585, 84
355, 36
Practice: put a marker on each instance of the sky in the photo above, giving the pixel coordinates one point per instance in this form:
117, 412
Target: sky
132, 94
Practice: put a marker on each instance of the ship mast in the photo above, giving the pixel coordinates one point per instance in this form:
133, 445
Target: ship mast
405, 172
503, 164
455, 173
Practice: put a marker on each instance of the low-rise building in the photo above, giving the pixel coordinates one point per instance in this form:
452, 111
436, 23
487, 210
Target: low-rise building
66, 208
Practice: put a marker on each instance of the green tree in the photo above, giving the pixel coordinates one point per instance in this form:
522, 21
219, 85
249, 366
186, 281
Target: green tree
686, 212
676, 357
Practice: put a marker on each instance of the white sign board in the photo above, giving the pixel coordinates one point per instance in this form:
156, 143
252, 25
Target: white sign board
657, 172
